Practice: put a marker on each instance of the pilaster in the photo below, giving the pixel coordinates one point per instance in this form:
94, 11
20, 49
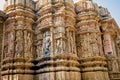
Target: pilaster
110, 33
18, 41
89, 43
2, 19
55, 33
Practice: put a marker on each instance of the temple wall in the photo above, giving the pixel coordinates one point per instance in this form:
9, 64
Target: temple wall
110, 32
17, 53
58, 40
55, 41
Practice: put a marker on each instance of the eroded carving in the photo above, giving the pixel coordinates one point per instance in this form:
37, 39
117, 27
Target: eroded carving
28, 44
19, 43
47, 44
11, 37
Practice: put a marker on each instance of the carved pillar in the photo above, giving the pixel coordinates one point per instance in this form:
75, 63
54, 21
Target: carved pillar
55, 41
89, 44
2, 18
118, 52
18, 41
110, 48
44, 41
110, 32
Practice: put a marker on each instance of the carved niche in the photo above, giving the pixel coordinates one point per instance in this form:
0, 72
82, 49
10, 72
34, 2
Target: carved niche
19, 44
11, 38
60, 40
46, 44
72, 42
28, 44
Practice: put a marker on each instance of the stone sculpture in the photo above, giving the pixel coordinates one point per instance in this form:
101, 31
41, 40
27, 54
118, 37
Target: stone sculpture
58, 40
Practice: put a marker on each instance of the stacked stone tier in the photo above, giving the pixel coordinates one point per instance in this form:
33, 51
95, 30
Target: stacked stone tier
18, 58
93, 64
12, 5
17, 67
61, 62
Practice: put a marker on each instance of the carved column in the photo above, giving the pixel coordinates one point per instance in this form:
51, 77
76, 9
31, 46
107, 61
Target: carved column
109, 29
89, 43
18, 41
43, 40
2, 18
118, 53
110, 48
55, 41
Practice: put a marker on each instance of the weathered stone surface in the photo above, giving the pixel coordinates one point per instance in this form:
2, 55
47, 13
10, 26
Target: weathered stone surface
17, 53
58, 40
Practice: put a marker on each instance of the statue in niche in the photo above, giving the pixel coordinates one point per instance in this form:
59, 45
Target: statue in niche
19, 44
71, 43
60, 46
11, 44
29, 46
46, 44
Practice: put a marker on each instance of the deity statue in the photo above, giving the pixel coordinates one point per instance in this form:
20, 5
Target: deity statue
29, 45
46, 44
60, 46
71, 43
11, 44
19, 44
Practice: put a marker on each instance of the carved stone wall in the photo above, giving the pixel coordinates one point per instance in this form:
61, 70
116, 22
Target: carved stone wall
17, 54
110, 42
55, 41
58, 40
89, 42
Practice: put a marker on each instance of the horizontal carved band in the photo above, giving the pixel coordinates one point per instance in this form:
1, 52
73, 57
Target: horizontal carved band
17, 71
92, 69
55, 69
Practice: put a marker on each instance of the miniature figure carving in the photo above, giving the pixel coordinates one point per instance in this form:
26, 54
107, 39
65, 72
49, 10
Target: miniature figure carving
46, 44
19, 44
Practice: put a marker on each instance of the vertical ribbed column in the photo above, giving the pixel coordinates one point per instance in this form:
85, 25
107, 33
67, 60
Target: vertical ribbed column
110, 30
55, 41
66, 59
44, 40
89, 44
18, 41
2, 18
118, 54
